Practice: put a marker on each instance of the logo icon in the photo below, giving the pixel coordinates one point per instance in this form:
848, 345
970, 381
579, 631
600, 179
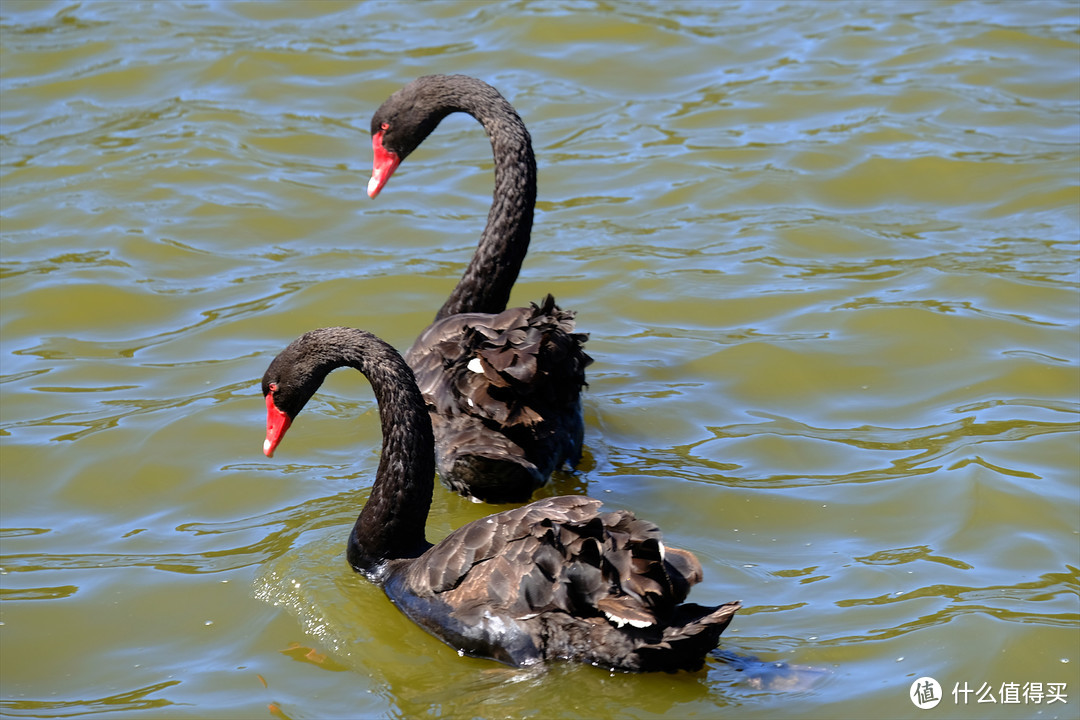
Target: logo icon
925, 693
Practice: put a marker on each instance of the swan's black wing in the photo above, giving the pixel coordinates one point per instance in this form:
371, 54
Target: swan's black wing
559, 579
504, 393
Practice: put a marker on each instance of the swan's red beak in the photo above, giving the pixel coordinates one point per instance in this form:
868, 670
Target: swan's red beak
277, 423
383, 166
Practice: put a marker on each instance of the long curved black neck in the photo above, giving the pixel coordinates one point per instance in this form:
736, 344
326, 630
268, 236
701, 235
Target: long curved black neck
391, 524
487, 282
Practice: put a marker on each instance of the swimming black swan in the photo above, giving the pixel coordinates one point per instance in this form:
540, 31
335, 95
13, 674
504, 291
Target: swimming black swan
503, 386
555, 579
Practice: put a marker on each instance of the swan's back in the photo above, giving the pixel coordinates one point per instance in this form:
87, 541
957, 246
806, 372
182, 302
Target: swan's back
558, 579
504, 393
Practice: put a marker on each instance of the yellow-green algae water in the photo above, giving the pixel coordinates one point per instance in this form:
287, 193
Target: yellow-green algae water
826, 252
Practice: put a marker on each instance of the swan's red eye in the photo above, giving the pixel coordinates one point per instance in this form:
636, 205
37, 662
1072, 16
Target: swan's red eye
273, 387
385, 126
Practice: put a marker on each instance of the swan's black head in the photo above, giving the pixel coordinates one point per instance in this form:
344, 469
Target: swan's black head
290, 381
402, 123
413, 112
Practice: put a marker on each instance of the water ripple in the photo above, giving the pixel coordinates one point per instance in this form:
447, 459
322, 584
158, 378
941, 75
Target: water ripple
129, 701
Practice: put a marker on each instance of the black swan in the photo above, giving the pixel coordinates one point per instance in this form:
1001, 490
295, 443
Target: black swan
503, 386
555, 579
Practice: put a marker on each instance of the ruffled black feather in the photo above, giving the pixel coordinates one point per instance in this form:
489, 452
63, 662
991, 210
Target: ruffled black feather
504, 394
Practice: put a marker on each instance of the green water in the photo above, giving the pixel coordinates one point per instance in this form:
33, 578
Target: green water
826, 253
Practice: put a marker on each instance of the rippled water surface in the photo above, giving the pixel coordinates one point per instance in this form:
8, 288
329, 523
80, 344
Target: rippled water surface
826, 253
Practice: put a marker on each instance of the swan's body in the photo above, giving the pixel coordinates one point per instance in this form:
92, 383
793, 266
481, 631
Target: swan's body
555, 579
503, 386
